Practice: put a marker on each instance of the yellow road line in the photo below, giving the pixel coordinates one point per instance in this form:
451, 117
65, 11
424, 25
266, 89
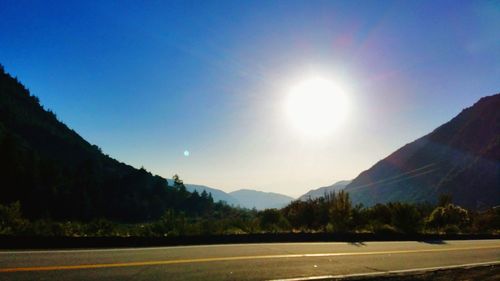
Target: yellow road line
215, 259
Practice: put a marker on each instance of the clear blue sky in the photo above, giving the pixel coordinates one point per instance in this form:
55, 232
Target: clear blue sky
147, 80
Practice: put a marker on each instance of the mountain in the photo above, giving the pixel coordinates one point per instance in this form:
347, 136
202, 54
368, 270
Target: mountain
55, 173
217, 194
320, 192
260, 200
244, 198
460, 158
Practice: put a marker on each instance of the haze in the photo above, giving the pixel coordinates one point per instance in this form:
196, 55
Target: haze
199, 89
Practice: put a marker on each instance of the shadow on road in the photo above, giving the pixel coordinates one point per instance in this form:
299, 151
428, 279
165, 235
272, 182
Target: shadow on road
434, 242
358, 243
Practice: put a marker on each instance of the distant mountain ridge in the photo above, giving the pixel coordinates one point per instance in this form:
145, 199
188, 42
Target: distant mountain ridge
321, 191
260, 200
244, 198
217, 194
461, 158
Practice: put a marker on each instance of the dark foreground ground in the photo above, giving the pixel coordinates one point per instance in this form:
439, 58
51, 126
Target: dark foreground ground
479, 273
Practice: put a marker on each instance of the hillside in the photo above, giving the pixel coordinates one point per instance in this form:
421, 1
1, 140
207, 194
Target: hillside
321, 191
55, 173
461, 158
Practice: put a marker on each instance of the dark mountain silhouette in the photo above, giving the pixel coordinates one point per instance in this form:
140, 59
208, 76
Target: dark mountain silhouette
55, 173
321, 191
460, 158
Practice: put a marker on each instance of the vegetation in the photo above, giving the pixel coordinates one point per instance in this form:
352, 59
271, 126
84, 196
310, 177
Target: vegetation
332, 213
54, 183
55, 174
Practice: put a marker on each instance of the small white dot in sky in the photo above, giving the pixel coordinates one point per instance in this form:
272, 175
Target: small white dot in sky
186, 153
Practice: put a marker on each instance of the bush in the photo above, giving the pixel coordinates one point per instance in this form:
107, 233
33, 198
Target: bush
11, 220
405, 217
384, 229
447, 215
340, 210
47, 227
273, 220
451, 229
487, 221
101, 227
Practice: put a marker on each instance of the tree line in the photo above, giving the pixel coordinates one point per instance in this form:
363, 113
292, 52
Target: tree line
333, 213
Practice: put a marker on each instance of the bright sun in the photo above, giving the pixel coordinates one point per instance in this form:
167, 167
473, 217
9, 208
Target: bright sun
316, 106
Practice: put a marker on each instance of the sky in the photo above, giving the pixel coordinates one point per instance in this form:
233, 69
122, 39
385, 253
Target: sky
148, 81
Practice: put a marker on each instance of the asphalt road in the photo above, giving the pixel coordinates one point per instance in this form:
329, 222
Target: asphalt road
242, 261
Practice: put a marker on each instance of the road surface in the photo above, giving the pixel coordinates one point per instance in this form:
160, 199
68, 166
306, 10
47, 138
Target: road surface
242, 261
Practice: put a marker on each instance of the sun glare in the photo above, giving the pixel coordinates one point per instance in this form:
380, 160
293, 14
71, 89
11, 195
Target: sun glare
316, 106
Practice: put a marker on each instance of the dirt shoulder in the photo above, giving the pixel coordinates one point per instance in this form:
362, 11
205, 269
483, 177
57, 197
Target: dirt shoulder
479, 273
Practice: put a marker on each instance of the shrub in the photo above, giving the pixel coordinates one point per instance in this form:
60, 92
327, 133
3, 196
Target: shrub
448, 215
11, 220
451, 229
384, 229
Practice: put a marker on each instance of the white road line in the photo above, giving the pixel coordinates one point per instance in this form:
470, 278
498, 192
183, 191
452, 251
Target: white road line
389, 272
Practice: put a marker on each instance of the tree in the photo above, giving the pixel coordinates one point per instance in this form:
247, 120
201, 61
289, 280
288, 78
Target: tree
273, 220
379, 214
340, 211
178, 183
488, 220
405, 217
449, 215
204, 194
11, 219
